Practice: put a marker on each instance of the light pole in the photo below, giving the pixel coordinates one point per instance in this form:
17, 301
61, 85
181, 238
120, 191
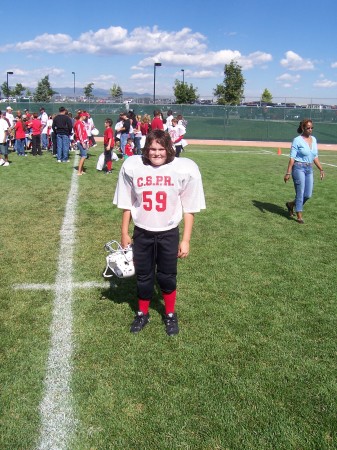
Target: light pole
183, 71
154, 81
74, 84
8, 73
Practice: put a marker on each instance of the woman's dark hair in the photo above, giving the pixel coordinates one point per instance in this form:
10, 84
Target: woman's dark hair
164, 139
109, 121
303, 125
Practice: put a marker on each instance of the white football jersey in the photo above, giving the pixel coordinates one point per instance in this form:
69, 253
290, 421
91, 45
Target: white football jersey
158, 196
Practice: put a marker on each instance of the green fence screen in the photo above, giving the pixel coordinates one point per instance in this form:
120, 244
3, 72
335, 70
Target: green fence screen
215, 121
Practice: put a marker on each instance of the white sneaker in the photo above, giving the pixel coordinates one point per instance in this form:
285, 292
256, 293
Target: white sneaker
59, 160
2, 162
6, 164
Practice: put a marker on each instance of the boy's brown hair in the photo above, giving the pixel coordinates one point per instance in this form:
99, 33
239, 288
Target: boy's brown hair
164, 139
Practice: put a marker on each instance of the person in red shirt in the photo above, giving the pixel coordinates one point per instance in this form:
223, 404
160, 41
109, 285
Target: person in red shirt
109, 143
36, 127
128, 148
82, 141
20, 135
27, 114
157, 121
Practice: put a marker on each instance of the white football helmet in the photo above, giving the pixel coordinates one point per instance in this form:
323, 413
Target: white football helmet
119, 262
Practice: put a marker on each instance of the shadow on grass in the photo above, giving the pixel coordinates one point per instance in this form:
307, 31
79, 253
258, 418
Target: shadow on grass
272, 208
125, 291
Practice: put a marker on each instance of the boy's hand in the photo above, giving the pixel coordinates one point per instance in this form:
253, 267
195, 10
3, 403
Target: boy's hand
126, 240
184, 249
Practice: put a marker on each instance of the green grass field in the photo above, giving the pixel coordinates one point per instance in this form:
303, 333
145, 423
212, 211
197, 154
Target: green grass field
254, 365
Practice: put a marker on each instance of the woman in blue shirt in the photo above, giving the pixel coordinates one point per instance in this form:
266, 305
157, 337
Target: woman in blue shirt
303, 155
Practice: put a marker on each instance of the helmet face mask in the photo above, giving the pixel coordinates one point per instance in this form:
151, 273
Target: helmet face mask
119, 262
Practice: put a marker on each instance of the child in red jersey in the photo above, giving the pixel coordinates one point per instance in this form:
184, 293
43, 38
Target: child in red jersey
109, 142
128, 151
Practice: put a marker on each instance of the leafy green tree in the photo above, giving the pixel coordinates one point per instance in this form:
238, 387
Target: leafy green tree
6, 92
87, 90
116, 91
18, 90
230, 92
185, 93
44, 92
266, 96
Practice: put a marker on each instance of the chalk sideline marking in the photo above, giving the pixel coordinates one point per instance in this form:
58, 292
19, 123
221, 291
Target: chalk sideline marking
57, 417
58, 422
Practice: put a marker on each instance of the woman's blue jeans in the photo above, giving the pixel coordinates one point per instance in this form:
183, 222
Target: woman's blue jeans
303, 178
20, 146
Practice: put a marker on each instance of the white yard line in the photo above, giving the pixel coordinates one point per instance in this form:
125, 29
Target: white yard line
51, 287
58, 421
56, 409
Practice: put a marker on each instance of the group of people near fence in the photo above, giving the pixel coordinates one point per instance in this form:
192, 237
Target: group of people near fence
37, 131
130, 133
136, 127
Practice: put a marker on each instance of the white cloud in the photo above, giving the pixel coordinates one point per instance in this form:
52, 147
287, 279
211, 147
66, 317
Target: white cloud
293, 61
183, 47
142, 76
324, 83
207, 59
254, 59
105, 78
288, 80
31, 77
50, 43
115, 40
201, 74
334, 65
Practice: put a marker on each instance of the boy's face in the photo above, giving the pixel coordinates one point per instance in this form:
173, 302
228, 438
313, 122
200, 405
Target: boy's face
157, 154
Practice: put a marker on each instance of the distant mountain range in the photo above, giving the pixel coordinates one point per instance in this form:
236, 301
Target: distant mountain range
101, 93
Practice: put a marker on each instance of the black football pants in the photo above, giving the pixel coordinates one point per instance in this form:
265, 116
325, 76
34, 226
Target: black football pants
151, 251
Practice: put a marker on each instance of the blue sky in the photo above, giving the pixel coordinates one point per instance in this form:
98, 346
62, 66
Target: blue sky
288, 47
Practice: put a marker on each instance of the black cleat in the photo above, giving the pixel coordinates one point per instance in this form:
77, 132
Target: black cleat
171, 324
140, 321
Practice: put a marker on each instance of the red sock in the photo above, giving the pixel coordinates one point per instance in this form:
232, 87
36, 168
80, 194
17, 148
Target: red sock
143, 306
109, 165
169, 301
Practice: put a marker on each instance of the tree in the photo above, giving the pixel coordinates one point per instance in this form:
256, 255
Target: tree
266, 96
18, 90
183, 93
6, 92
88, 90
116, 91
230, 92
44, 92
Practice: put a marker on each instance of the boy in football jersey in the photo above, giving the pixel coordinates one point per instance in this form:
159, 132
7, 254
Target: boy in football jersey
157, 190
